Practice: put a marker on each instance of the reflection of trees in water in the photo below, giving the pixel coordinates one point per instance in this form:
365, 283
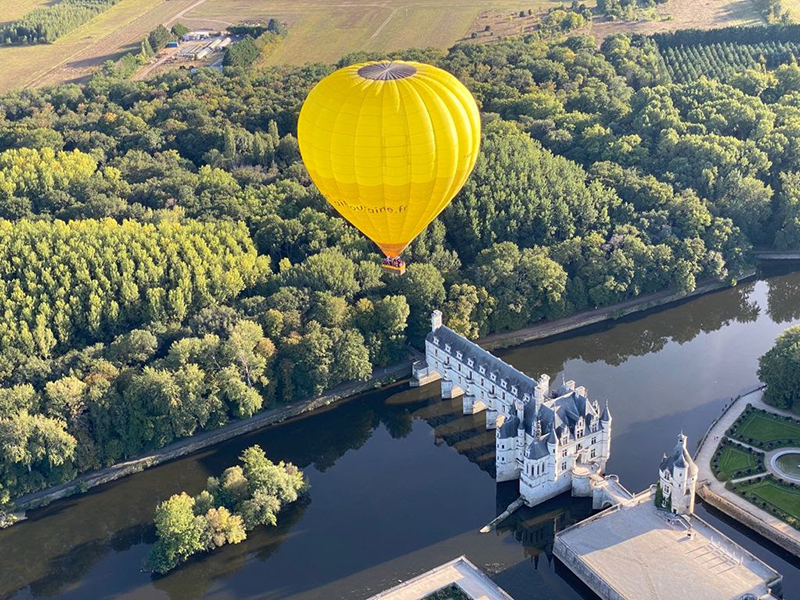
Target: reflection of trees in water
615, 342
70, 568
783, 297
196, 577
44, 560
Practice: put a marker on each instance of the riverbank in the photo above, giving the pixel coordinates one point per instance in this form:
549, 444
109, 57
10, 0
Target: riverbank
598, 315
714, 492
380, 377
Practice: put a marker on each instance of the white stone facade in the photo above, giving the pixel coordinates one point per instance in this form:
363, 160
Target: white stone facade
677, 478
543, 435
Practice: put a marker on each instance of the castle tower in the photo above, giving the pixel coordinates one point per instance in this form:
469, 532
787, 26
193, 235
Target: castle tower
605, 436
677, 480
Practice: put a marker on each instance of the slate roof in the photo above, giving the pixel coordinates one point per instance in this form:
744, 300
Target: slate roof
537, 449
679, 458
565, 412
509, 428
560, 410
524, 383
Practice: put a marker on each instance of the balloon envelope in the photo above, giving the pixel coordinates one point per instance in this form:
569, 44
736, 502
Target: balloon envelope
389, 144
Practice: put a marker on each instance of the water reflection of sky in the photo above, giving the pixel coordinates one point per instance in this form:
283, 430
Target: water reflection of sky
401, 482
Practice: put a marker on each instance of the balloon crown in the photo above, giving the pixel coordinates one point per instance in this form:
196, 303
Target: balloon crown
385, 71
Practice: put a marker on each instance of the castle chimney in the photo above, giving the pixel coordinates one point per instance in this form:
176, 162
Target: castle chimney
436, 320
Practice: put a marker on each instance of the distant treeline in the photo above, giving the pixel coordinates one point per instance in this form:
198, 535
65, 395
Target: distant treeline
728, 35
45, 25
257, 37
625, 9
773, 11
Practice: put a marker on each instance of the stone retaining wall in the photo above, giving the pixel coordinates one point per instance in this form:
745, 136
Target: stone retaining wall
746, 518
591, 317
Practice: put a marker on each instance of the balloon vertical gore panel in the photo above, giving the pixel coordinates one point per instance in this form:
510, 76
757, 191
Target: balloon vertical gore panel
389, 144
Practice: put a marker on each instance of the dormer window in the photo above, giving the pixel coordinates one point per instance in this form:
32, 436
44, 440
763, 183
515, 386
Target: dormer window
482, 369
447, 347
514, 390
470, 362
494, 376
436, 340
459, 356
504, 384
526, 397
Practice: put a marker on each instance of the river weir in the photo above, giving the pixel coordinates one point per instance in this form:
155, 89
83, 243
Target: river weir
397, 456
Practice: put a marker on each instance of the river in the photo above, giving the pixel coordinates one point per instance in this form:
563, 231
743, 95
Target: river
401, 481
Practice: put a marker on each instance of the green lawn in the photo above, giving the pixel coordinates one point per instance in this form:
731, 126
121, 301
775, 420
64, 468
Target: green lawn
766, 429
732, 460
776, 494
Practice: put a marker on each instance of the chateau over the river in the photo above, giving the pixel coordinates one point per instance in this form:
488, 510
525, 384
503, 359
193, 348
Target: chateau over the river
552, 440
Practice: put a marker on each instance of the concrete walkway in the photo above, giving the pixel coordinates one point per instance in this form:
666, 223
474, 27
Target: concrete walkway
706, 452
459, 571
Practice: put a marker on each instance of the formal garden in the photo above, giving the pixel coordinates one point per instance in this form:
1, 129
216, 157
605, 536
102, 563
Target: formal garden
767, 431
773, 495
732, 461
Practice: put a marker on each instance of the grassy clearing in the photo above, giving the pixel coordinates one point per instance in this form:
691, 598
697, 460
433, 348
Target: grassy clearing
793, 6
73, 56
325, 30
687, 14
766, 430
782, 500
11, 10
731, 461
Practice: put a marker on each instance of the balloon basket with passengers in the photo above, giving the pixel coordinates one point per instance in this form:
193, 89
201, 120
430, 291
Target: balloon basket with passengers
389, 144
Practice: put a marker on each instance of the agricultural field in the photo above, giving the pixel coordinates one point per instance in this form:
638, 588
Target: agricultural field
14, 9
322, 30
78, 53
685, 14
723, 60
793, 6
325, 30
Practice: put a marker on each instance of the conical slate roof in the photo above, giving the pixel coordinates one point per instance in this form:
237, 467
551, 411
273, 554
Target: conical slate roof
679, 458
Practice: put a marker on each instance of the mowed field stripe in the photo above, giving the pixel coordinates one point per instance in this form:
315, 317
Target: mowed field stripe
11, 10
81, 51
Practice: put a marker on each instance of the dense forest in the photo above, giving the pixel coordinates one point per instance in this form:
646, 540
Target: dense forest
167, 264
779, 368
47, 24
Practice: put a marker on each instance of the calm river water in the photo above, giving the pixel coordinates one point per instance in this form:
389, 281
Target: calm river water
401, 481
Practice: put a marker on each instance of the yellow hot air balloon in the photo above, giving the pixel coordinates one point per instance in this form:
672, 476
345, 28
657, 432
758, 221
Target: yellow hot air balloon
389, 144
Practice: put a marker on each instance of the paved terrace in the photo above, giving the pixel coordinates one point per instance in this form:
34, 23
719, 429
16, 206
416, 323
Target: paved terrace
637, 552
459, 571
706, 478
